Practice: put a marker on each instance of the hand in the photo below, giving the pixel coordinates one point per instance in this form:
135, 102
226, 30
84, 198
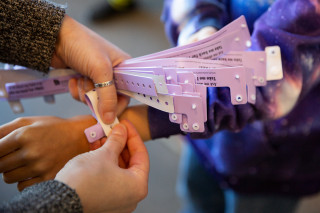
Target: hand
199, 35
103, 185
34, 149
92, 56
79, 86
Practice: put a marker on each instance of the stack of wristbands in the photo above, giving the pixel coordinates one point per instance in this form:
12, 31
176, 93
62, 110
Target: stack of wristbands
173, 80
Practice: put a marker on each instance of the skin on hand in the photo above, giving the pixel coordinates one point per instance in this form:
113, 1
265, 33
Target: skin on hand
103, 183
91, 55
34, 149
137, 115
78, 87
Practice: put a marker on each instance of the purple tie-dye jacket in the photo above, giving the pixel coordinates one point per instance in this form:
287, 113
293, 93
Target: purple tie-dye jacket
274, 145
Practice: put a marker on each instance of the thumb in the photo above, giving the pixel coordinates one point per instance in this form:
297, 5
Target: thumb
107, 94
107, 103
116, 141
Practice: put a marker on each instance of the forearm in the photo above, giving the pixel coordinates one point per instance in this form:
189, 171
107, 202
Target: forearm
28, 39
138, 116
150, 123
79, 124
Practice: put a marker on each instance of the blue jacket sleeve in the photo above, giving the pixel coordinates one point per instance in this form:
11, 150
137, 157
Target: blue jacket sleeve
294, 26
184, 18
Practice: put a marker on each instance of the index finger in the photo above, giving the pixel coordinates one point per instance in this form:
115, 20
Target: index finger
7, 128
8, 144
139, 158
116, 141
7, 135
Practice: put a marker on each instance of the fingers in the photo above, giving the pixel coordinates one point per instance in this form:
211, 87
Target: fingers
88, 85
103, 141
81, 92
7, 145
11, 161
78, 88
139, 159
19, 174
26, 183
125, 156
116, 141
107, 103
201, 34
73, 88
84, 85
123, 102
92, 56
13, 125
107, 96
122, 163
95, 145
206, 32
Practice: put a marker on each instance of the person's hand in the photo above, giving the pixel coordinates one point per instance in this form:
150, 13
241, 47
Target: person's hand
199, 35
91, 55
79, 86
113, 178
34, 149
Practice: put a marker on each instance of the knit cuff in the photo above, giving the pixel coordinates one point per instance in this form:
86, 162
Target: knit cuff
28, 32
49, 196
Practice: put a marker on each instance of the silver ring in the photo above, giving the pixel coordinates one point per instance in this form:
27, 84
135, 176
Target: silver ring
104, 84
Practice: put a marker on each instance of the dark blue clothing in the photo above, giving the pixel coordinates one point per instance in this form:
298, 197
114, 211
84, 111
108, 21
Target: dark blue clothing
274, 145
201, 193
182, 19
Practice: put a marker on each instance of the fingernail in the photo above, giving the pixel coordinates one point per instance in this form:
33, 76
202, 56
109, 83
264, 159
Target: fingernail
108, 117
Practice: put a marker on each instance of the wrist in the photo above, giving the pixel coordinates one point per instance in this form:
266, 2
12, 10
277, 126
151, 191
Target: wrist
64, 36
138, 116
63, 30
78, 124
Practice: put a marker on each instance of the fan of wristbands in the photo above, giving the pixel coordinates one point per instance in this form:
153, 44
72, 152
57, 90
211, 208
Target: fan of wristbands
174, 80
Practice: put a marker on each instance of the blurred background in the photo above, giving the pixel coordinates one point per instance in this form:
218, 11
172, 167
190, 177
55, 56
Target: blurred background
138, 32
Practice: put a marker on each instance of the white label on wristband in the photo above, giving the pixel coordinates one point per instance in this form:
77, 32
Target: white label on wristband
93, 97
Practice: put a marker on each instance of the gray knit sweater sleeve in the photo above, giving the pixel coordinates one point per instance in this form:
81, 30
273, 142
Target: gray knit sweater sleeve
28, 32
45, 197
